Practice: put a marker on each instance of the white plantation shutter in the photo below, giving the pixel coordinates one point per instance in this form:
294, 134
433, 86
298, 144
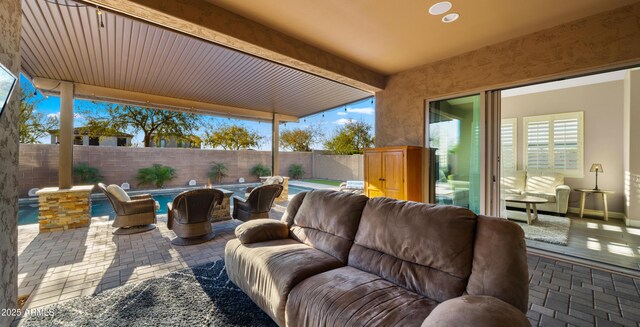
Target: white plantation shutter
555, 143
508, 143
538, 145
565, 144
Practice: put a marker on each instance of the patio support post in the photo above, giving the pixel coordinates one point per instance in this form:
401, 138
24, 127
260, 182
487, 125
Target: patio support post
65, 163
275, 146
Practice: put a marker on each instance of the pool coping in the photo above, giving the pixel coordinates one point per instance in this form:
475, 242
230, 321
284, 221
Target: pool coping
100, 195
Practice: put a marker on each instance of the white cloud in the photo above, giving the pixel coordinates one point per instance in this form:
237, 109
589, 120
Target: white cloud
343, 121
341, 113
364, 111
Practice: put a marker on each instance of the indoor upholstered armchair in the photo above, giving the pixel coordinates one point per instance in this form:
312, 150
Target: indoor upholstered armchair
134, 214
258, 203
190, 214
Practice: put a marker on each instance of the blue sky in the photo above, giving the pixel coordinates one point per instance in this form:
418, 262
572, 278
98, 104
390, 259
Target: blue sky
327, 122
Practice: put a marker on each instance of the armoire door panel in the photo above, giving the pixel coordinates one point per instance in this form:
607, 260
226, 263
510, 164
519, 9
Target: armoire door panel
373, 179
393, 174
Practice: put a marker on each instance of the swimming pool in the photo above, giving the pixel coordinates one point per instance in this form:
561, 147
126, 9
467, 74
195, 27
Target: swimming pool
100, 206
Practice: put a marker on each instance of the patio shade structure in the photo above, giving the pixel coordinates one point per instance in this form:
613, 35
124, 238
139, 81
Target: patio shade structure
68, 50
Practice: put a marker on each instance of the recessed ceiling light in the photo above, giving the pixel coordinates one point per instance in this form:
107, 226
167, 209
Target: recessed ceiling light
450, 18
440, 8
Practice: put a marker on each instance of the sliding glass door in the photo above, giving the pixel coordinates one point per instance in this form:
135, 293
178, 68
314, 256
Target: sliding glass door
454, 137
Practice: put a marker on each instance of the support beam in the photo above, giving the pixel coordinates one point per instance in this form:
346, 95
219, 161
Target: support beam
65, 163
275, 146
218, 25
98, 93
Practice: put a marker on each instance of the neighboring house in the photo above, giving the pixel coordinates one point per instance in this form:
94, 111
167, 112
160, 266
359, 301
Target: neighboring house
187, 142
81, 137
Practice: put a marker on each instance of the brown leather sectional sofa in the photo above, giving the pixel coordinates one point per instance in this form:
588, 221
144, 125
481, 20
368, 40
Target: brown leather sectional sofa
340, 259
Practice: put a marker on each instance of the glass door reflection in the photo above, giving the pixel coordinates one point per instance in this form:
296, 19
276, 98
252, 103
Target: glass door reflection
454, 134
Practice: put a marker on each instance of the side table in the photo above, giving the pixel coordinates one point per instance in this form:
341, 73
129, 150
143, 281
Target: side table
602, 192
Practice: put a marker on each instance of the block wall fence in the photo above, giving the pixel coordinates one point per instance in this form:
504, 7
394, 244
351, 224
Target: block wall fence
38, 165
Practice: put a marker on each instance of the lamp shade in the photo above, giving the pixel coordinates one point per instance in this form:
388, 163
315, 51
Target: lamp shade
596, 167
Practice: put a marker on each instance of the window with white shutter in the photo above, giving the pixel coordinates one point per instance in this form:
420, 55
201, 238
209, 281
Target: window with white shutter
555, 143
509, 144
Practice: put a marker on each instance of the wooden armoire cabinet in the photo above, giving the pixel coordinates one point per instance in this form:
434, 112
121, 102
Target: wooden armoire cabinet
394, 172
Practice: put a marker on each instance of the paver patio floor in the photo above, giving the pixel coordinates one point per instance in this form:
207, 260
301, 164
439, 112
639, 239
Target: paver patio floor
59, 266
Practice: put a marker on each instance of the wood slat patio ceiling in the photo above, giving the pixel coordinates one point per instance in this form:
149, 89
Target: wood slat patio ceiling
65, 42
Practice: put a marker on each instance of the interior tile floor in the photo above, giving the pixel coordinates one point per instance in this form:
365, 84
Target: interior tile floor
59, 266
609, 242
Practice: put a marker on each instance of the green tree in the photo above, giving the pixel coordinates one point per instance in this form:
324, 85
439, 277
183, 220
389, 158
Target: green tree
352, 138
260, 170
33, 124
218, 170
156, 175
149, 121
298, 139
232, 137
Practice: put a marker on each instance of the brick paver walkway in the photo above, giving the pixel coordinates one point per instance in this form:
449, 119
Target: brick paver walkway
58, 266
561, 294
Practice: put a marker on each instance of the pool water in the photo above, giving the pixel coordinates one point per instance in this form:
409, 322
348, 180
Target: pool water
28, 212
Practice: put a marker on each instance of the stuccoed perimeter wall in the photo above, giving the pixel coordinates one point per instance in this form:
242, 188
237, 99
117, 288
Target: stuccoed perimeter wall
39, 164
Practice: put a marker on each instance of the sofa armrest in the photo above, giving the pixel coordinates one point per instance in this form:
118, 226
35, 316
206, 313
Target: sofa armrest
475, 310
261, 230
562, 198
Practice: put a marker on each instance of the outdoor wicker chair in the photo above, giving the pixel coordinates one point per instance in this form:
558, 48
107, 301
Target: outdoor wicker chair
134, 214
190, 215
258, 203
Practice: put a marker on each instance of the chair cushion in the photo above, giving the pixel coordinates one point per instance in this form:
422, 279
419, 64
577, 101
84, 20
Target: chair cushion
350, 297
543, 182
267, 271
427, 249
118, 193
273, 180
328, 221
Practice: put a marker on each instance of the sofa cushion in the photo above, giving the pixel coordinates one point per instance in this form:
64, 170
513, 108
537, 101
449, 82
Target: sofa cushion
512, 192
328, 221
543, 182
118, 193
425, 248
351, 297
513, 180
292, 208
550, 197
267, 271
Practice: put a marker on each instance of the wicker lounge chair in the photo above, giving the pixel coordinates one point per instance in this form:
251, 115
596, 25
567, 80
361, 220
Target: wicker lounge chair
134, 214
190, 215
258, 203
